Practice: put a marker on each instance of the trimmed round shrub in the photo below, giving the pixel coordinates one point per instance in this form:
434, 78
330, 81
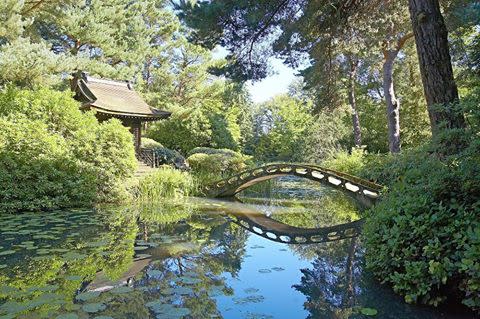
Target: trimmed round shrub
149, 143
172, 158
211, 151
215, 166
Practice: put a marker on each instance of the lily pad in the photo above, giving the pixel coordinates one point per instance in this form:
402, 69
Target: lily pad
3, 266
7, 252
93, 307
89, 295
251, 290
190, 280
182, 290
249, 299
103, 317
369, 311
71, 256
68, 316
13, 307
258, 316
121, 290
158, 306
154, 273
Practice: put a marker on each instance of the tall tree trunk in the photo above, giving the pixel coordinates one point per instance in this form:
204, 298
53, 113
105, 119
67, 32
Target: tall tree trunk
393, 104
357, 130
435, 63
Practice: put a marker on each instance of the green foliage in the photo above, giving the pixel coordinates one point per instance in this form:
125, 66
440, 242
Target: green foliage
210, 151
281, 126
169, 157
165, 183
96, 158
212, 166
11, 22
183, 131
38, 170
149, 143
350, 163
19, 64
424, 236
327, 135
114, 160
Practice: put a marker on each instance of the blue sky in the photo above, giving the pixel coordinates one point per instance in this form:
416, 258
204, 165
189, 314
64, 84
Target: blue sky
277, 83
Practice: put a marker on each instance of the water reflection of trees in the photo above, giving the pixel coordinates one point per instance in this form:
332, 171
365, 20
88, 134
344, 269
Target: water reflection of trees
69, 249
332, 284
194, 257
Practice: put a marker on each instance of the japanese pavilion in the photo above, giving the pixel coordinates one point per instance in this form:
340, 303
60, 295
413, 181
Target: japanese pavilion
115, 99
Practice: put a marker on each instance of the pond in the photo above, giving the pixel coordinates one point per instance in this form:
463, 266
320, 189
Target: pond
196, 258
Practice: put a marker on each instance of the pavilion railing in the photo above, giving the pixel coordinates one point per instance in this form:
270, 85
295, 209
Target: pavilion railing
149, 157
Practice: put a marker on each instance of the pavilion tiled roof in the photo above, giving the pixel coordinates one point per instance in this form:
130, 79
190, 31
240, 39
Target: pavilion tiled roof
114, 98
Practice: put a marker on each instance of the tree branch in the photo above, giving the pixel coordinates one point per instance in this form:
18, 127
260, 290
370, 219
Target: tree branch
35, 6
264, 28
403, 39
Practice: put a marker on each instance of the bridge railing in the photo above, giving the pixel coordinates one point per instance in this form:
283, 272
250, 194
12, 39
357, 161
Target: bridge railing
286, 168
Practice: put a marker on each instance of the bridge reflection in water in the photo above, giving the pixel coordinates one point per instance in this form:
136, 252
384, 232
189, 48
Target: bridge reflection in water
271, 229
364, 191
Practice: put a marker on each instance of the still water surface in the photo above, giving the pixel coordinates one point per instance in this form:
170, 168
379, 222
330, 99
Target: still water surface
192, 259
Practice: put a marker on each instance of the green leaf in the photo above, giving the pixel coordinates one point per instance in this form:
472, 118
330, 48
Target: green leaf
369, 311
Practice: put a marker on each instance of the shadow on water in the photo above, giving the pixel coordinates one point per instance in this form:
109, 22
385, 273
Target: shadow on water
195, 259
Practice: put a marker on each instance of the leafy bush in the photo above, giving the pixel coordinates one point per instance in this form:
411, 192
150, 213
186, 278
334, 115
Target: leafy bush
424, 236
102, 154
165, 183
210, 151
326, 136
208, 168
352, 163
172, 158
149, 143
37, 169
183, 131
113, 160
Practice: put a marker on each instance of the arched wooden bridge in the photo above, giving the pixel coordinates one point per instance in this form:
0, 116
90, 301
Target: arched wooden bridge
235, 184
273, 230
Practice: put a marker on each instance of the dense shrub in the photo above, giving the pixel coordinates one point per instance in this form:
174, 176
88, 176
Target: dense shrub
210, 151
149, 143
170, 157
37, 169
351, 163
165, 183
424, 236
99, 157
113, 161
183, 131
208, 168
